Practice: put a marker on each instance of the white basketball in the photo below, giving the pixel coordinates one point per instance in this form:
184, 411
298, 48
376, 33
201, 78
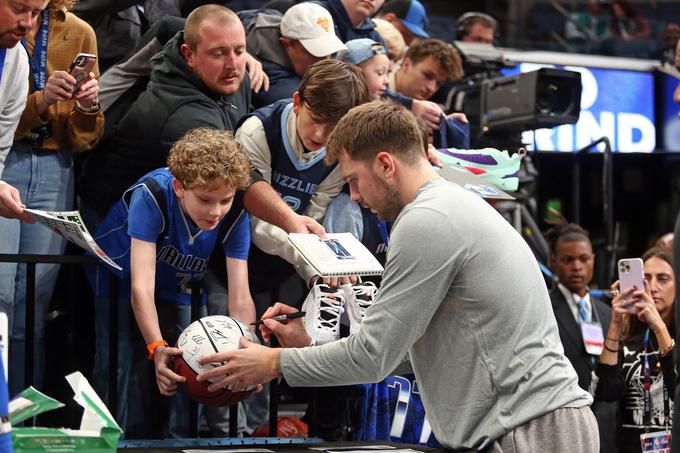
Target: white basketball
209, 335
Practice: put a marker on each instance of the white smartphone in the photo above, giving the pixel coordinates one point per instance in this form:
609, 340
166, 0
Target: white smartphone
631, 273
80, 69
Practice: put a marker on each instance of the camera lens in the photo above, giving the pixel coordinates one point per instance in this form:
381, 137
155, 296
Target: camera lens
554, 96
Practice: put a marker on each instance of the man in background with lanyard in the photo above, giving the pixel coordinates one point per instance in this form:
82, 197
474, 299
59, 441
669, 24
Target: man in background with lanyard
16, 21
581, 318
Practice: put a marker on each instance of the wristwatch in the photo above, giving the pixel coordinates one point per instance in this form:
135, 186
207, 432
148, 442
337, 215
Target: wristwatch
93, 108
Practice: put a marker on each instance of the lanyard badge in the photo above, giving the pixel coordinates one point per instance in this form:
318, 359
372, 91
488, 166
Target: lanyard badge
39, 60
658, 441
593, 337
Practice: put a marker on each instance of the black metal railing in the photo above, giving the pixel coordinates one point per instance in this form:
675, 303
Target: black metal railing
31, 261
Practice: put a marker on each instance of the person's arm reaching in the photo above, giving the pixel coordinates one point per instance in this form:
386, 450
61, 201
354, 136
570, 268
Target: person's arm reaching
360, 357
263, 202
11, 206
241, 305
143, 272
259, 80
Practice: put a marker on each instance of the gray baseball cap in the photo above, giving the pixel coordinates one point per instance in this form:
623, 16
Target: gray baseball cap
360, 50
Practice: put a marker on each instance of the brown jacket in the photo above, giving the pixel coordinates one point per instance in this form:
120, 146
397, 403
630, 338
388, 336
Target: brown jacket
72, 128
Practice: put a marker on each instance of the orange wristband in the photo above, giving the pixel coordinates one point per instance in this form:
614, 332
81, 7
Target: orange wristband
151, 347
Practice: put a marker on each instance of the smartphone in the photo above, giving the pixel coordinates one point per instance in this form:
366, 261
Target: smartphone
631, 274
80, 69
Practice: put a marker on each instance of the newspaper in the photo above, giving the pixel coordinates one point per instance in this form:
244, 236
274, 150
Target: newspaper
71, 227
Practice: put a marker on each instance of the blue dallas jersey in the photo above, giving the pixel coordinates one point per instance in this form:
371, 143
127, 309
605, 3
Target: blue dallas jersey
182, 249
392, 410
295, 181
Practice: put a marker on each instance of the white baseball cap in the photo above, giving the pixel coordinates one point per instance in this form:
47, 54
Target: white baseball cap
312, 25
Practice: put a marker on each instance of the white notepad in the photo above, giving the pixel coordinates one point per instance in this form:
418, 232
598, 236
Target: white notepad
337, 255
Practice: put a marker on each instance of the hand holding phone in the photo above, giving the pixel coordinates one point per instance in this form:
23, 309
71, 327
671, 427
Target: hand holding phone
631, 274
80, 69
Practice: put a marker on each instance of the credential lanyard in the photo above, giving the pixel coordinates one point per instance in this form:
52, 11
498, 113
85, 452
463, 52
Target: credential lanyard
39, 60
646, 388
3, 52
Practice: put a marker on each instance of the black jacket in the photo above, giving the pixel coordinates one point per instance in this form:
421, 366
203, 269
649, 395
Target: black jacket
174, 102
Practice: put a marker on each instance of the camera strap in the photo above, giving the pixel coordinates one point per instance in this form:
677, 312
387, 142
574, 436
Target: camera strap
39, 59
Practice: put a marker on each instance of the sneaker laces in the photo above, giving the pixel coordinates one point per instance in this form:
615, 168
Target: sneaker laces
365, 293
330, 308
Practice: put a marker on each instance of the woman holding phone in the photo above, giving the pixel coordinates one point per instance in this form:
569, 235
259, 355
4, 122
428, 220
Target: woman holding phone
636, 366
60, 118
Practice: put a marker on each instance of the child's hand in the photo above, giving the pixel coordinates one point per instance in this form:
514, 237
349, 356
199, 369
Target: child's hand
166, 378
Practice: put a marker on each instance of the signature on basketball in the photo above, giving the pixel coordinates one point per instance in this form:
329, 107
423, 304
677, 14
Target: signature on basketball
218, 330
191, 349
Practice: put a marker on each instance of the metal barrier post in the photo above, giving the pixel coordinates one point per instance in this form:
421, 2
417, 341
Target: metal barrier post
195, 312
273, 405
313, 398
113, 346
29, 333
233, 420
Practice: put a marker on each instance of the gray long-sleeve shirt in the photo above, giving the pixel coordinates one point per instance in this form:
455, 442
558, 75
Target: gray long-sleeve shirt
13, 92
463, 296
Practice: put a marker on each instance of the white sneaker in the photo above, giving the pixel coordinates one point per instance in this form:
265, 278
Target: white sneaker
324, 306
357, 299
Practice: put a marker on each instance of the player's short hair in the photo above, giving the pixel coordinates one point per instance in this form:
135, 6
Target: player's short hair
330, 88
206, 157
443, 53
215, 14
378, 126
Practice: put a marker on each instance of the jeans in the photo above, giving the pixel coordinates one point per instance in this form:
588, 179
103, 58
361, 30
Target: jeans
44, 180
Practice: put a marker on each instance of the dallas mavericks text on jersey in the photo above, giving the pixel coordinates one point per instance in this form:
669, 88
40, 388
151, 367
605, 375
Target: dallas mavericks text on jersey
172, 257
